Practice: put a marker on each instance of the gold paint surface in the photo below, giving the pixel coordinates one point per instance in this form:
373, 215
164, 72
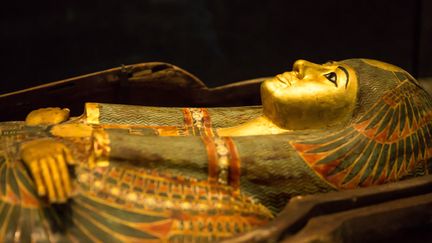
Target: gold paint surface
101, 149
47, 116
72, 130
311, 96
47, 160
259, 126
92, 113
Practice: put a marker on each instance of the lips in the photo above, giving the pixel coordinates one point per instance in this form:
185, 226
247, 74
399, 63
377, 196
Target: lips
283, 79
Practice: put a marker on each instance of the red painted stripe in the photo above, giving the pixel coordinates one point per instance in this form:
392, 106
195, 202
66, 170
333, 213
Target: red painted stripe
188, 122
212, 158
235, 163
208, 130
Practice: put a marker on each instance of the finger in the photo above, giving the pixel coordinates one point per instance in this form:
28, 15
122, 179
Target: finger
36, 173
64, 175
48, 181
68, 155
56, 177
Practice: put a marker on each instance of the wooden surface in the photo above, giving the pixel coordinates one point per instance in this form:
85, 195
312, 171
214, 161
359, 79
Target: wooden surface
150, 84
399, 212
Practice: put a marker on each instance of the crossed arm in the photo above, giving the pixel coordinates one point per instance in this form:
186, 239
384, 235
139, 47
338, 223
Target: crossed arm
49, 159
265, 163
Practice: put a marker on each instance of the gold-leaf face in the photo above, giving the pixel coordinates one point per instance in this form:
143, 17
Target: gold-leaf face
310, 96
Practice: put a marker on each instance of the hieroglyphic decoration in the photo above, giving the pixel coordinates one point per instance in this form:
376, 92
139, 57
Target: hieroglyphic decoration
197, 121
391, 141
224, 161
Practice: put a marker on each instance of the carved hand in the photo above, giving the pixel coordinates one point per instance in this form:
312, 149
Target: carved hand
47, 116
47, 160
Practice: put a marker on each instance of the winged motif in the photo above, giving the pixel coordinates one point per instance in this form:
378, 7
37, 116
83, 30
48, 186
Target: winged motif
390, 141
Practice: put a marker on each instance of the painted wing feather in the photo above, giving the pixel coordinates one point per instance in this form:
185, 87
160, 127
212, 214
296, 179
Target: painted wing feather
349, 157
19, 202
394, 123
384, 123
385, 140
360, 162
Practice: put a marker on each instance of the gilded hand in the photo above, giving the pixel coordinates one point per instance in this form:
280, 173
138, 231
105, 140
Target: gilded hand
47, 160
47, 116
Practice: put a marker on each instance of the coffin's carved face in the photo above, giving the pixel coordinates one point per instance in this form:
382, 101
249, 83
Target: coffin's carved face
311, 96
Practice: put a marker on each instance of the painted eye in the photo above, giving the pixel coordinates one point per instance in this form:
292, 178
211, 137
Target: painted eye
332, 77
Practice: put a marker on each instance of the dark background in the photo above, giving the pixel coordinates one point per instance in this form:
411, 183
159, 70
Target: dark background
220, 41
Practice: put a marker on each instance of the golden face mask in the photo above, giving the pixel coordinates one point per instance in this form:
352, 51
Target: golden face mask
310, 96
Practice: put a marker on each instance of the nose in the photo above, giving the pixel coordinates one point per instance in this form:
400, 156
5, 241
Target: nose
302, 67
298, 67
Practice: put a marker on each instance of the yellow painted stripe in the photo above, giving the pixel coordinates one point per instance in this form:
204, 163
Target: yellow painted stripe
92, 113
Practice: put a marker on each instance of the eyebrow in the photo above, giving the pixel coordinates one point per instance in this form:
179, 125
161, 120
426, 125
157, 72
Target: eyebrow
346, 73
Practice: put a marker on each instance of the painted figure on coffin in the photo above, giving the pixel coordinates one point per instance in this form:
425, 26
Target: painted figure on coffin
133, 173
